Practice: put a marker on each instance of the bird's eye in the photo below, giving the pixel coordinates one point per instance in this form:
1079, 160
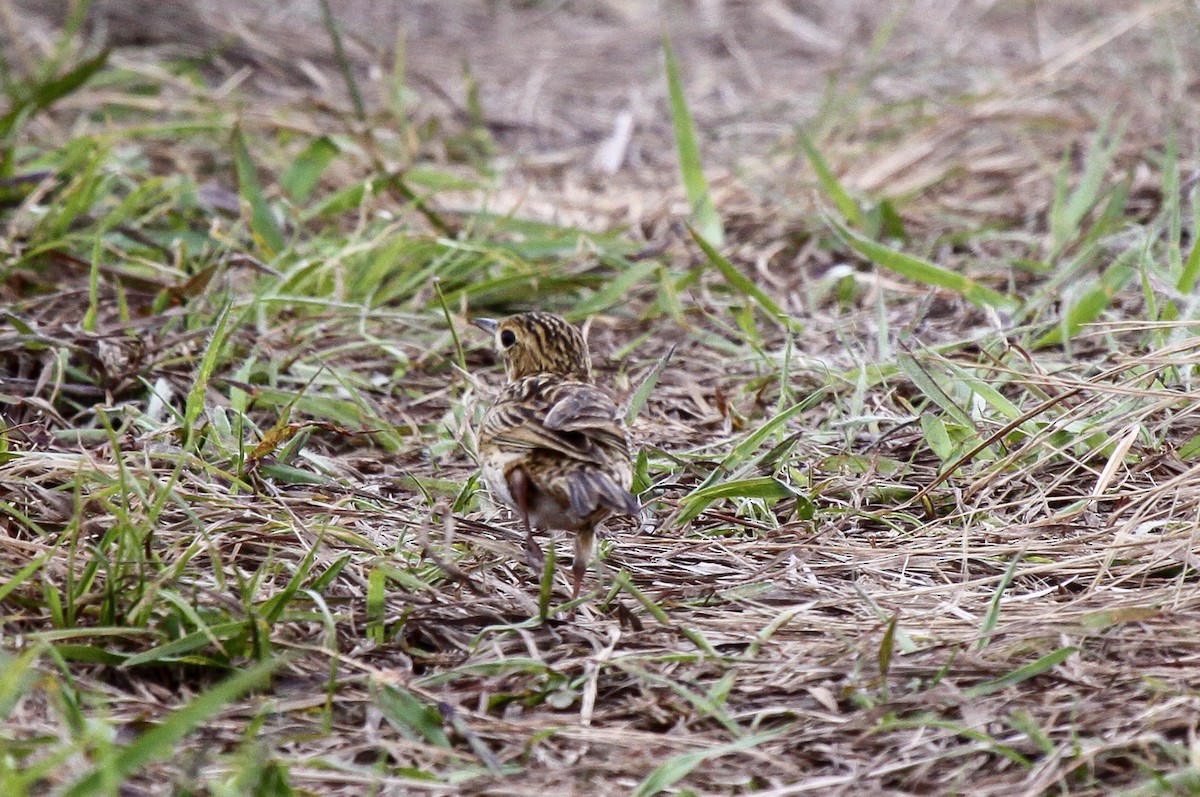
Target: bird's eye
508, 338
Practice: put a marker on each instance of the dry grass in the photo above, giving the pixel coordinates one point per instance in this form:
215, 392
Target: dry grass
916, 532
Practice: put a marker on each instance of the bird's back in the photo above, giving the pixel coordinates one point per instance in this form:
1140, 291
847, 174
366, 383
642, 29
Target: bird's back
569, 440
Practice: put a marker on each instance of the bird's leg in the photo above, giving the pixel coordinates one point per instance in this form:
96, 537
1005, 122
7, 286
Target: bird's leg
583, 553
518, 485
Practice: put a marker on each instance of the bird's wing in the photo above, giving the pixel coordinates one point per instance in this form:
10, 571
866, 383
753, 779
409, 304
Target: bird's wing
572, 418
580, 407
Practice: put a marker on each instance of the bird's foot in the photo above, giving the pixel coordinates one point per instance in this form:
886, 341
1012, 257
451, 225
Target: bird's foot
534, 556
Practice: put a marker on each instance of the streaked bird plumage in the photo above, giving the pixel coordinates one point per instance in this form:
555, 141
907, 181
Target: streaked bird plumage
553, 446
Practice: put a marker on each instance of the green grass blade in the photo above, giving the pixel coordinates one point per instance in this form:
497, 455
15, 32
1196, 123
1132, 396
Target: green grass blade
887, 648
985, 390
546, 582
740, 454
262, 220
16, 676
617, 290
1191, 267
678, 767
1171, 202
922, 271
830, 185
376, 604
43, 95
702, 702
24, 573
927, 720
1044, 664
303, 174
1183, 781
408, 714
756, 487
936, 436
1070, 207
344, 64
739, 281
622, 580
272, 609
920, 377
194, 405
175, 649
993, 613
704, 212
1089, 306
762, 487
642, 394
160, 742
1026, 724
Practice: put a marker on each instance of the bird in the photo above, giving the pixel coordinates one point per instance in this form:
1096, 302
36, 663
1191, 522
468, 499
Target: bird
553, 445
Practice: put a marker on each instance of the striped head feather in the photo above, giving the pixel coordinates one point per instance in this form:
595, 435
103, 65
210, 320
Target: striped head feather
539, 343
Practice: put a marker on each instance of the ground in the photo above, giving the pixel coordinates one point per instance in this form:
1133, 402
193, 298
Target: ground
900, 297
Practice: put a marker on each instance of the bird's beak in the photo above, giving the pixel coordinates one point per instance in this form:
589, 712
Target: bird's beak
488, 325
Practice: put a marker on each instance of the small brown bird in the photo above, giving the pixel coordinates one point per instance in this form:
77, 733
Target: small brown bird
553, 446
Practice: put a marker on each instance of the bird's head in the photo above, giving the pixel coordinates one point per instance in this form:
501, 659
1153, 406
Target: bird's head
537, 343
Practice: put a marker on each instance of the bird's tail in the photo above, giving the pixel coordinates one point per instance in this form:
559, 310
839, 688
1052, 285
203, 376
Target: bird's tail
589, 489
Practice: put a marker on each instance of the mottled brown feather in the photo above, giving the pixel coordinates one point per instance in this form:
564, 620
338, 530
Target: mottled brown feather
553, 446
